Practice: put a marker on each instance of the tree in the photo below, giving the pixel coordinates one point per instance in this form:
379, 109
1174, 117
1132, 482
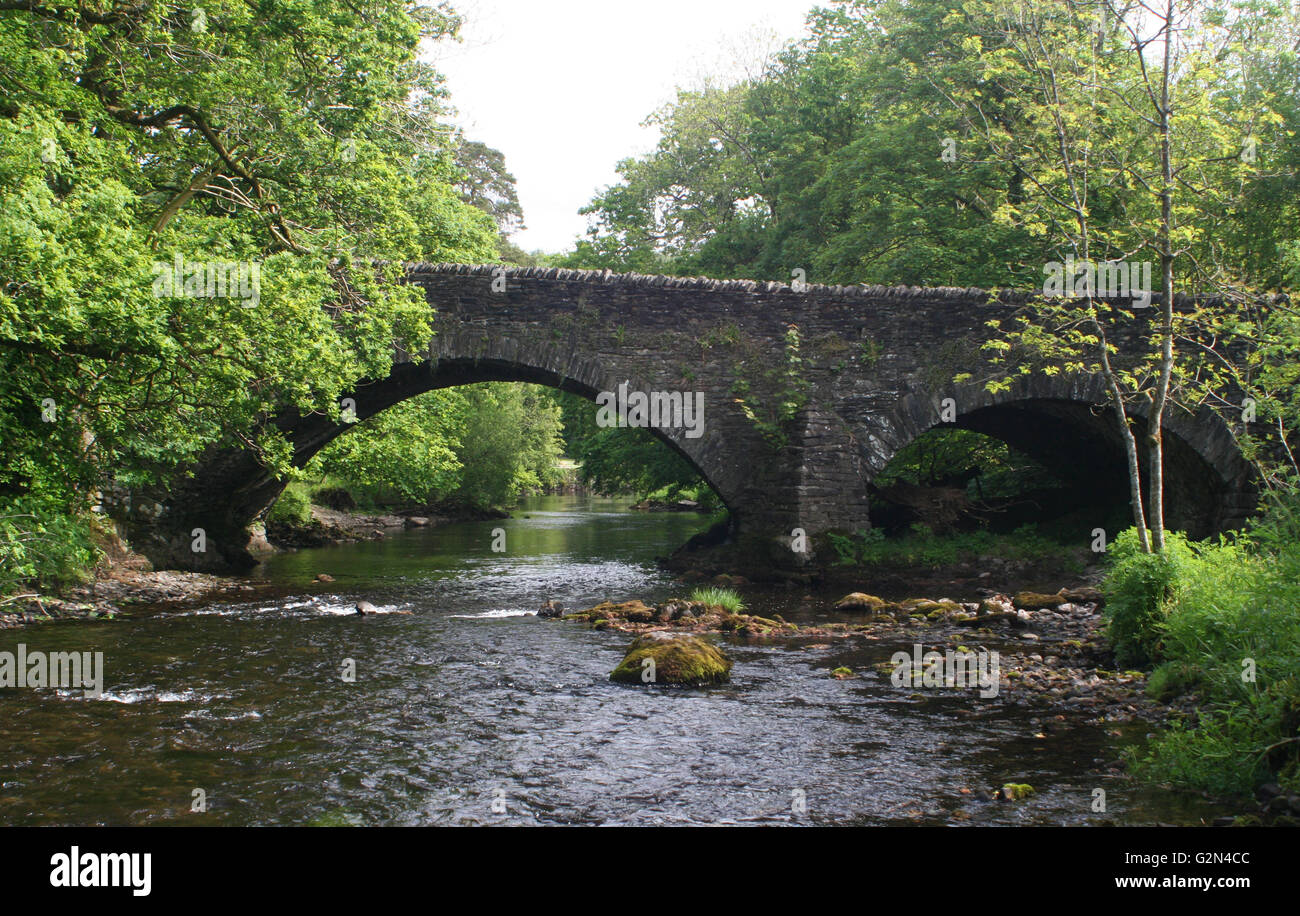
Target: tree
485, 183
1121, 133
301, 139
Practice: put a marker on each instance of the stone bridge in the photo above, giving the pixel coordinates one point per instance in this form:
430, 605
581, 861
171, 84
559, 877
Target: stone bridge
793, 431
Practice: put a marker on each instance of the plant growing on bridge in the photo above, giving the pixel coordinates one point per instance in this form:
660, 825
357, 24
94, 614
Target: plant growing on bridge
778, 393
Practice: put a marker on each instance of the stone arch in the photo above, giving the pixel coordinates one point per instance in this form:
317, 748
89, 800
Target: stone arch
234, 489
1065, 423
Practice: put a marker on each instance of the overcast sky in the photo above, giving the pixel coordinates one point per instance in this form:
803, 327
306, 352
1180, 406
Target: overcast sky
562, 86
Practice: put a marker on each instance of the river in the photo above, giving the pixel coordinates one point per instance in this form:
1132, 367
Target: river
471, 710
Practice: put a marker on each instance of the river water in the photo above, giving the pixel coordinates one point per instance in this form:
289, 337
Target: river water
471, 710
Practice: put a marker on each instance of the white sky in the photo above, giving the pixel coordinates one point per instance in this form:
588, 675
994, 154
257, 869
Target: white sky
562, 86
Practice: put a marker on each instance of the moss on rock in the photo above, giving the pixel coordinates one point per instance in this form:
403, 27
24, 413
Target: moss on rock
680, 660
861, 601
1033, 601
1015, 791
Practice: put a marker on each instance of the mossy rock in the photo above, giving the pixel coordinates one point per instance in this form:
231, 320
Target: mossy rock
937, 609
861, 601
628, 610
1035, 601
1015, 791
685, 661
842, 673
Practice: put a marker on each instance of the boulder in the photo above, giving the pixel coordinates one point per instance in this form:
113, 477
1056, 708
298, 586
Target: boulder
860, 601
995, 604
1034, 601
1084, 595
677, 659
365, 607
1014, 791
550, 609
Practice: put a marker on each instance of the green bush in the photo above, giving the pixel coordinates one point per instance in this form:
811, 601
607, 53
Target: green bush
293, 507
1137, 587
1172, 679
922, 547
724, 598
1224, 621
43, 544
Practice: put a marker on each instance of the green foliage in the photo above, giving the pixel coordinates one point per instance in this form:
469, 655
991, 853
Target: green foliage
302, 138
938, 455
773, 398
1227, 628
480, 445
922, 548
293, 507
1172, 679
1138, 587
724, 598
408, 453
44, 544
627, 459
510, 443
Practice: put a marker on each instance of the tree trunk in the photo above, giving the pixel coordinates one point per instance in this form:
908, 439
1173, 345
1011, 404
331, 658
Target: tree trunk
1155, 421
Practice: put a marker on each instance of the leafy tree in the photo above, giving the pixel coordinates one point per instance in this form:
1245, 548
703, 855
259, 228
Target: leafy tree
623, 459
486, 184
300, 138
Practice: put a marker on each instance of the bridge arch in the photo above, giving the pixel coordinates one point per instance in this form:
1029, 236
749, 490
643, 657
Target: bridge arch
507, 360
1065, 423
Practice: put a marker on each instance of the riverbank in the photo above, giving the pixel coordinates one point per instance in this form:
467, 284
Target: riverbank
323, 525
116, 589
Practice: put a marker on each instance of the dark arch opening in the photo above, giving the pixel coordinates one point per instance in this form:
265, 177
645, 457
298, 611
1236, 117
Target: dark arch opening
1076, 472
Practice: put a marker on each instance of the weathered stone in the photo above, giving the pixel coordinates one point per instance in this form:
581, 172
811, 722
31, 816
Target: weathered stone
1033, 601
590, 331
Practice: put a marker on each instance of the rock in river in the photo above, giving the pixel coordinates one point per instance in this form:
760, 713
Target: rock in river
860, 601
668, 658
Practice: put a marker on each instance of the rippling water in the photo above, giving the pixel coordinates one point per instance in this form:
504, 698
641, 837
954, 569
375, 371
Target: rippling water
470, 710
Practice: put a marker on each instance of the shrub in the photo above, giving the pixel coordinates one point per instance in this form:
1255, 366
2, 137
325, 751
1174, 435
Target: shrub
1137, 587
724, 598
42, 544
1224, 620
291, 508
